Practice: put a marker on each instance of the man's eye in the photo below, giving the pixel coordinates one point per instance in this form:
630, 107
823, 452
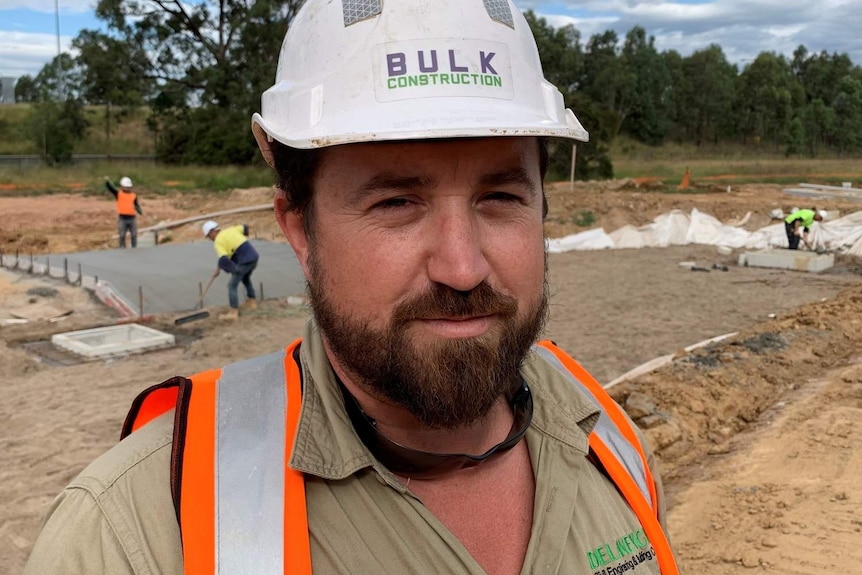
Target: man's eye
392, 203
501, 197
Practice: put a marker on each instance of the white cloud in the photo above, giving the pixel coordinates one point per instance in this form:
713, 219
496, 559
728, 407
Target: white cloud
22, 53
743, 28
76, 6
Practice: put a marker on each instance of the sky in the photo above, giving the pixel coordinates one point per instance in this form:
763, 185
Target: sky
743, 28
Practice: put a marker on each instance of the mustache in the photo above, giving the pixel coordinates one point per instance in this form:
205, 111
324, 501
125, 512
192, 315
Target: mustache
440, 300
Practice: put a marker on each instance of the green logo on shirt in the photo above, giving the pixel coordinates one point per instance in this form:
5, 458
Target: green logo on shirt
632, 549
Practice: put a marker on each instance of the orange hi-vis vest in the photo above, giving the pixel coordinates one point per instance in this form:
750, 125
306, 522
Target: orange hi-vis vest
224, 479
126, 203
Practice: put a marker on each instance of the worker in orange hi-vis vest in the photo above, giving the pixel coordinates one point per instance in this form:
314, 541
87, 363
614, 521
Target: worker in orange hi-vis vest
127, 206
420, 424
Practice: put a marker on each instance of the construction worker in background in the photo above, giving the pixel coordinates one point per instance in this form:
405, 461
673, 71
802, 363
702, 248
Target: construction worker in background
798, 224
127, 205
417, 426
237, 257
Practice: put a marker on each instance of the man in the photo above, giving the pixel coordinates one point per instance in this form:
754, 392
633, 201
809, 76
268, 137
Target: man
127, 205
415, 428
237, 257
798, 224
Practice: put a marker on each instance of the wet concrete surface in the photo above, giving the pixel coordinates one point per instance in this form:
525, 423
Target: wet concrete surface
170, 276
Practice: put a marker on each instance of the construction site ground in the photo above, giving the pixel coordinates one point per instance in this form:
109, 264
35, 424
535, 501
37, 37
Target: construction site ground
758, 436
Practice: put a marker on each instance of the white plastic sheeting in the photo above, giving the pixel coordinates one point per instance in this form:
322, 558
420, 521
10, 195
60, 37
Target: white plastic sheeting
676, 228
595, 239
627, 237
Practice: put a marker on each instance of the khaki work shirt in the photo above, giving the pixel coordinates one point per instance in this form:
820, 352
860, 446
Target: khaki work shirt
117, 517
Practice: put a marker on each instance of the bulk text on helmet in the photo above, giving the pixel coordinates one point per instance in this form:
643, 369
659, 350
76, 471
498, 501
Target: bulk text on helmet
441, 68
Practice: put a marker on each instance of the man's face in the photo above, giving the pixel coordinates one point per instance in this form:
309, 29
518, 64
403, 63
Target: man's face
426, 270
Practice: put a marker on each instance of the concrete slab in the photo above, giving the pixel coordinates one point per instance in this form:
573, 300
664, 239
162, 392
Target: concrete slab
103, 342
169, 275
799, 260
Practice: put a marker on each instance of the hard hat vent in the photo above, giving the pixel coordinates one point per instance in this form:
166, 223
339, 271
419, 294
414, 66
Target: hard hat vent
359, 10
500, 11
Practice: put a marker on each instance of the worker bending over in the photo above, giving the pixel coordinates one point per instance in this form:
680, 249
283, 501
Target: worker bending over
798, 224
238, 258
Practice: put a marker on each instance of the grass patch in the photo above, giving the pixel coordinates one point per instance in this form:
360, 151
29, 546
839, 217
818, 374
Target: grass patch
128, 133
584, 219
125, 133
148, 177
724, 164
12, 120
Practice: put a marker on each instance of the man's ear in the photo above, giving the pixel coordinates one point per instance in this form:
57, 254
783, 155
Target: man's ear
291, 224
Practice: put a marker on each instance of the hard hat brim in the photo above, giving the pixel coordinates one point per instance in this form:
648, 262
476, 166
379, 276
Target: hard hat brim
420, 128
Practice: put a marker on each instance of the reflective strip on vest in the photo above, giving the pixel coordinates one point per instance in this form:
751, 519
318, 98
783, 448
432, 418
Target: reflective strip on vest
250, 447
608, 432
240, 431
620, 452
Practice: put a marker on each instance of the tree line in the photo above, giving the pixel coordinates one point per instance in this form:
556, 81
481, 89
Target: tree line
201, 68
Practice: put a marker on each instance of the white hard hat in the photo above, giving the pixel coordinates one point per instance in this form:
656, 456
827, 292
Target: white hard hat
369, 70
822, 213
125, 182
208, 227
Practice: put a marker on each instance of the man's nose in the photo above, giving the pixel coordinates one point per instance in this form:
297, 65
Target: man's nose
457, 251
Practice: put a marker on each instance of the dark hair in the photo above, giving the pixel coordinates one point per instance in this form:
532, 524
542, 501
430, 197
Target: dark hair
296, 170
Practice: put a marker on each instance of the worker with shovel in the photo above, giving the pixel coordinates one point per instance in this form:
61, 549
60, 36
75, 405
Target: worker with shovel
798, 224
237, 257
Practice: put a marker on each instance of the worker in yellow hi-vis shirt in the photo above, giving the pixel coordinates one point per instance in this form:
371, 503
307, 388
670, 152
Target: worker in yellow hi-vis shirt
237, 257
798, 224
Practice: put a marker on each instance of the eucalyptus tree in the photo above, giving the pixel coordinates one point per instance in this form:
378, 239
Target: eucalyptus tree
707, 95
562, 57
648, 84
848, 113
209, 62
767, 98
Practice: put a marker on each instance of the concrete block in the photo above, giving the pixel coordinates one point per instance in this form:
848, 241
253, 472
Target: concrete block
103, 342
146, 239
799, 260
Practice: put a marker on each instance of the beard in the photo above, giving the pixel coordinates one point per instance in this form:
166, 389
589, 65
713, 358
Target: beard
444, 383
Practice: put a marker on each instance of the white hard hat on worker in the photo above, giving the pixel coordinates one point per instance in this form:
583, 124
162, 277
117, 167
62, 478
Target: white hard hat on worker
125, 182
369, 70
208, 227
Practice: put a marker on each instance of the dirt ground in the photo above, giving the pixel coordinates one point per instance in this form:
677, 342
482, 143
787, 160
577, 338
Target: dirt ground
757, 435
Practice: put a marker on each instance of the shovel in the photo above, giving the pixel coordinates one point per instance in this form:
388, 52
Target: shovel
198, 314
